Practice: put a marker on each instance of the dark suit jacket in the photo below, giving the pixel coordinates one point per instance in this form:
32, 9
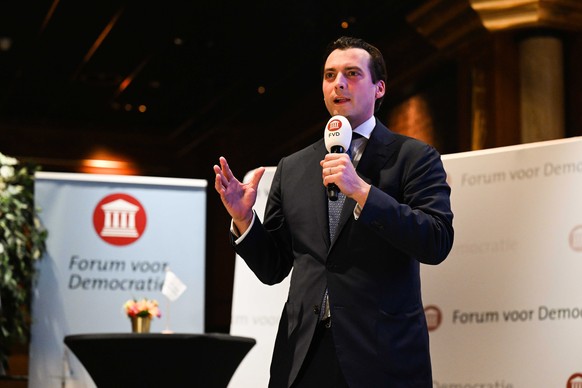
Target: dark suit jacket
371, 269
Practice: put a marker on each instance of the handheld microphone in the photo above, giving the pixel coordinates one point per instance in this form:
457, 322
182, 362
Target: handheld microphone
337, 137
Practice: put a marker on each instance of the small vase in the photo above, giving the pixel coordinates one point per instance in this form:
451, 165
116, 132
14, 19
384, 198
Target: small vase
140, 324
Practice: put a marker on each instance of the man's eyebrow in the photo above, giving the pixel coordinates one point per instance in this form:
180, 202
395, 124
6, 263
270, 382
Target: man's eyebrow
353, 67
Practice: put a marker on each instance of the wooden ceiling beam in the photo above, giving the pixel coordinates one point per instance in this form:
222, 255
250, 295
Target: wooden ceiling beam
511, 14
446, 23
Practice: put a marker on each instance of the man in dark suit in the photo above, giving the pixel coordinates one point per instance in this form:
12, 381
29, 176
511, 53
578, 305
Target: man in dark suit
354, 315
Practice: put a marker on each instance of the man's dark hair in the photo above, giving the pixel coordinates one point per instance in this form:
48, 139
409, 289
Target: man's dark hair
377, 64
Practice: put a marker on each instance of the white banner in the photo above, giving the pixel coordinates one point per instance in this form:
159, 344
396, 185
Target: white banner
256, 308
505, 308
110, 240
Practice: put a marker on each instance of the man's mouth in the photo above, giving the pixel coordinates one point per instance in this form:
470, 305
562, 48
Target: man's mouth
340, 100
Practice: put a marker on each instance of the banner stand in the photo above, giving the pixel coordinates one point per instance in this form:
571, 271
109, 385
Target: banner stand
110, 240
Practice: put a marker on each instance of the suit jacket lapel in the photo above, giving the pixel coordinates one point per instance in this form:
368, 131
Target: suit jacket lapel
373, 159
319, 196
376, 154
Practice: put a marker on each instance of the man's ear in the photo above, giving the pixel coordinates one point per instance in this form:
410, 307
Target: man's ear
380, 89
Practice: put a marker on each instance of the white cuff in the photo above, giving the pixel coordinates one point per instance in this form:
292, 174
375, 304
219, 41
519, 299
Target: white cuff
235, 231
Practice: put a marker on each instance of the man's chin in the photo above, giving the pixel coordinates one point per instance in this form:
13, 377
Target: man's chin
339, 111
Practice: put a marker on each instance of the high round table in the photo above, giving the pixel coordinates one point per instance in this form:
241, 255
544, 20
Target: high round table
160, 360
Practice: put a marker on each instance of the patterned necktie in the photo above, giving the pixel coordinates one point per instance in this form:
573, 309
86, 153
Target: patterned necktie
334, 210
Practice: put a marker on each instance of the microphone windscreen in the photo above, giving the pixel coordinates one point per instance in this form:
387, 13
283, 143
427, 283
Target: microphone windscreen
338, 132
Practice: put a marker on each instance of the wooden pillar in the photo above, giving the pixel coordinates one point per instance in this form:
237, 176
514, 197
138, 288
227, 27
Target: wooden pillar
541, 68
493, 85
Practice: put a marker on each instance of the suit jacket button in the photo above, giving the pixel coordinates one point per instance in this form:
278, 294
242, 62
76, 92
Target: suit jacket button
316, 309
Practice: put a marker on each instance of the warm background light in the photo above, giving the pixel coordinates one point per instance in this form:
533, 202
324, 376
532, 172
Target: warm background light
103, 161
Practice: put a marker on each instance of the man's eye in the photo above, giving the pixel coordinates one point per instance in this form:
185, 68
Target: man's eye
353, 73
328, 75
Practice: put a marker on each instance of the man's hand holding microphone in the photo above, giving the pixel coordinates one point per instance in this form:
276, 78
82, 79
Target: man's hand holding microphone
338, 172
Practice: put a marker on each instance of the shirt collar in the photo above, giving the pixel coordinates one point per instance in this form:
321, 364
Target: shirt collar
365, 129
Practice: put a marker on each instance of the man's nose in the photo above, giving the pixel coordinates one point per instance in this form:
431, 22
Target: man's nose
340, 82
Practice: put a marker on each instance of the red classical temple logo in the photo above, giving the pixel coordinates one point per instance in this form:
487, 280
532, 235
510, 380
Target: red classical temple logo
119, 219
